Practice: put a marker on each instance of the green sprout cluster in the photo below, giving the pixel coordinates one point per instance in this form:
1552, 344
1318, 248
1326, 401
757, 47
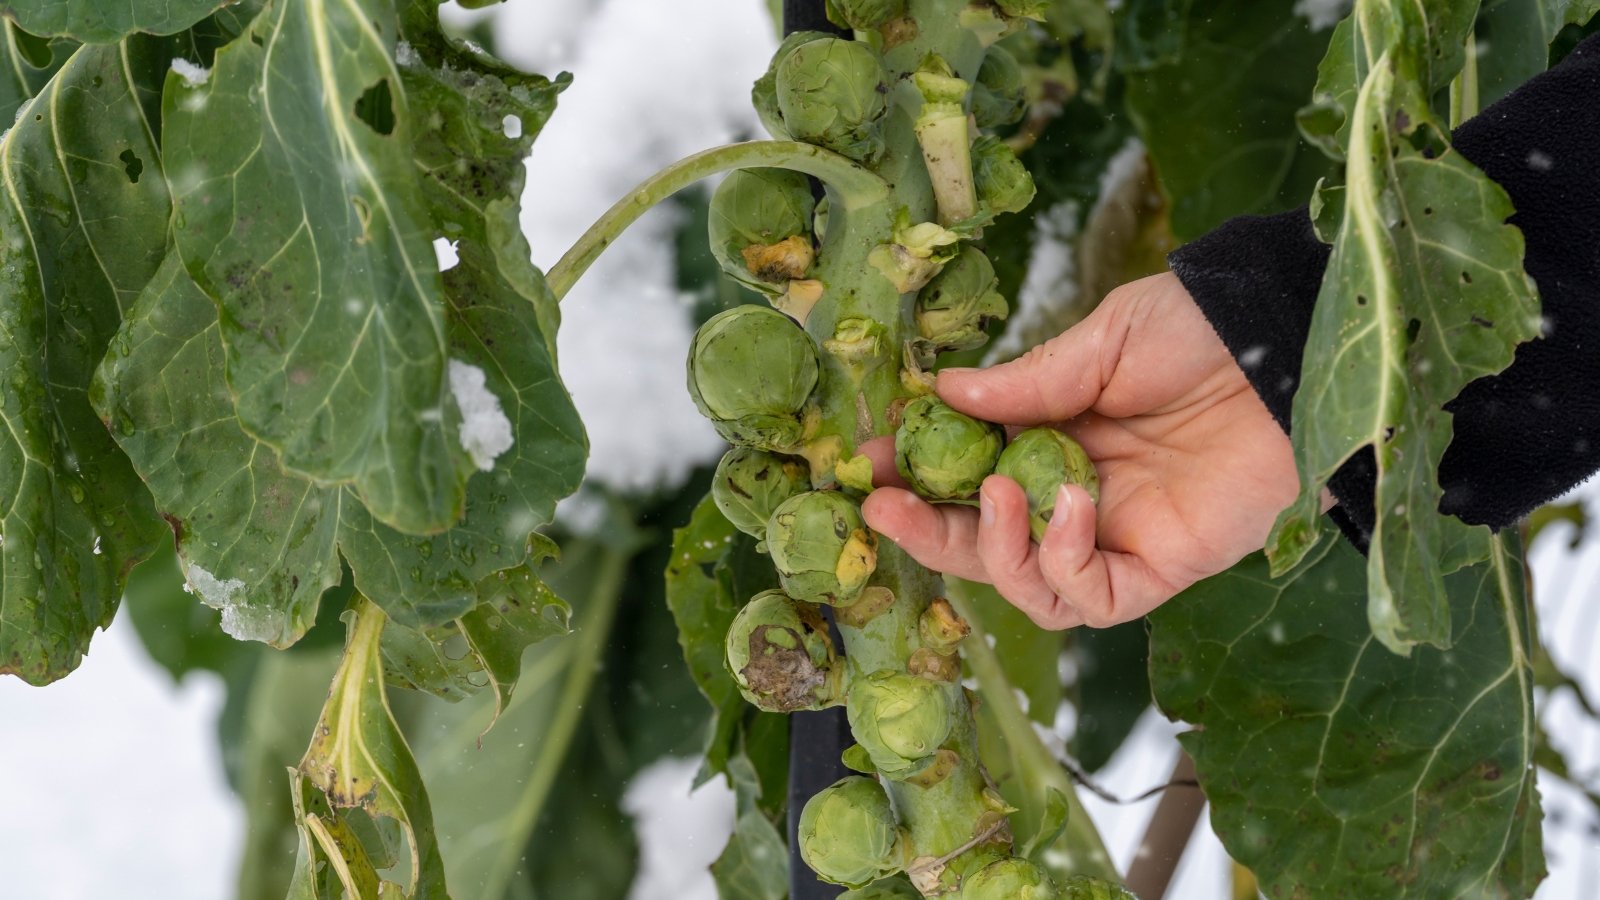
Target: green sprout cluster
864, 289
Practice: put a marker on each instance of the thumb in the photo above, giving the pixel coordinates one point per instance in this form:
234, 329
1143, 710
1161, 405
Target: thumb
1050, 383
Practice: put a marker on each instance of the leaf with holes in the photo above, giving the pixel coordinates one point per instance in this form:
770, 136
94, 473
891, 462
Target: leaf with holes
82, 235
1424, 292
1335, 768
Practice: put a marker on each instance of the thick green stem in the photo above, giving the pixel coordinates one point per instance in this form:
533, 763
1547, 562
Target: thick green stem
1038, 765
854, 185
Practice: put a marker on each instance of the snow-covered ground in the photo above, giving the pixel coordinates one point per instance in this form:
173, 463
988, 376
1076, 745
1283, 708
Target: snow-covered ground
110, 783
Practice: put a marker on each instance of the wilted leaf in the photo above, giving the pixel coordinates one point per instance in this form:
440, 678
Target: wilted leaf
103, 22
1424, 292
83, 232
358, 759
1336, 768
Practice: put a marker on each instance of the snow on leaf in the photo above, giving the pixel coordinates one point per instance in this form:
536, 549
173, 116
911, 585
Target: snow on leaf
485, 430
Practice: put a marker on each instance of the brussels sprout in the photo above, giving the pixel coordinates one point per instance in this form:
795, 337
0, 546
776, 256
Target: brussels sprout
942, 133
781, 657
900, 719
955, 308
760, 228
917, 254
864, 15
998, 97
1012, 878
885, 889
1004, 184
1041, 460
823, 551
764, 93
848, 834
943, 454
750, 484
1086, 887
751, 371
831, 93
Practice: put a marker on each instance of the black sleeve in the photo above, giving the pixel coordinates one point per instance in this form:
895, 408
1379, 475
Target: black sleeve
1522, 436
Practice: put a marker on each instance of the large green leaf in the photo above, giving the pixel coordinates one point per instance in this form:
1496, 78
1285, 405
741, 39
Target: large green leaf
84, 229
1556, 14
263, 542
1337, 769
1213, 95
100, 21
359, 760
1424, 293
300, 211
26, 64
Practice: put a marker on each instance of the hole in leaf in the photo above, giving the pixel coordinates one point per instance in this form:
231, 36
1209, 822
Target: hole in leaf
1413, 328
376, 108
1361, 299
1427, 210
257, 39
131, 164
1466, 278
34, 50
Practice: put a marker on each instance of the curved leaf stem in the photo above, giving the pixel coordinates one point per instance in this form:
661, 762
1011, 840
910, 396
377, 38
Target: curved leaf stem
854, 185
1090, 856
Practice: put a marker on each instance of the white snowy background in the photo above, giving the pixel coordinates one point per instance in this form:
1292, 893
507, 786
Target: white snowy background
110, 781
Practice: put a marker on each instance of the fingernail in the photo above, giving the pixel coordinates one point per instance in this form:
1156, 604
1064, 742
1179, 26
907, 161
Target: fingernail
1058, 519
985, 509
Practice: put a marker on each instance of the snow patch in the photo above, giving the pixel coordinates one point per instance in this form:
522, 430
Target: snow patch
511, 126
445, 250
485, 430
1320, 14
681, 830
239, 619
405, 55
193, 75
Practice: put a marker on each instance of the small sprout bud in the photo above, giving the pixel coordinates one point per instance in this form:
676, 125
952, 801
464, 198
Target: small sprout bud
916, 254
1087, 887
934, 769
821, 547
764, 94
926, 662
997, 803
760, 228
955, 308
873, 602
857, 342
781, 657
750, 484
941, 627
1004, 184
855, 759
1041, 460
832, 92
900, 719
1012, 878
864, 15
848, 834
943, 454
998, 97
751, 372
884, 889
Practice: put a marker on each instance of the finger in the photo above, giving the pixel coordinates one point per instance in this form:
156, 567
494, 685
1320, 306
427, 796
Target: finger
1101, 587
1054, 381
881, 451
1009, 556
943, 538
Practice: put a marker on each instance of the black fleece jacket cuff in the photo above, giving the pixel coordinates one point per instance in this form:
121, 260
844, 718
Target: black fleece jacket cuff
1523, 436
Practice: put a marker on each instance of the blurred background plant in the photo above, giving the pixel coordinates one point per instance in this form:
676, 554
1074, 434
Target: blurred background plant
1151, 121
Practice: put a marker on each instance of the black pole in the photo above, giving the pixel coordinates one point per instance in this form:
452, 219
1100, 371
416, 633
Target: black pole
816, 739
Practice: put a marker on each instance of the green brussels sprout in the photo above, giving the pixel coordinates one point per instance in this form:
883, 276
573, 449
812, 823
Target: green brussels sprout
900, 719
1087, 887
917, 254
848, 833
764, 93
943, 454
832, 93
760, 228
821, 547
781, 657
997, 97
750, 484
884, 889
1041, 460
751, 372
955, 308
1012, 878
864, 15
1004, 184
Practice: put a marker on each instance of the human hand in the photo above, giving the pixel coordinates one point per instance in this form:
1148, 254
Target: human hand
1193, 469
